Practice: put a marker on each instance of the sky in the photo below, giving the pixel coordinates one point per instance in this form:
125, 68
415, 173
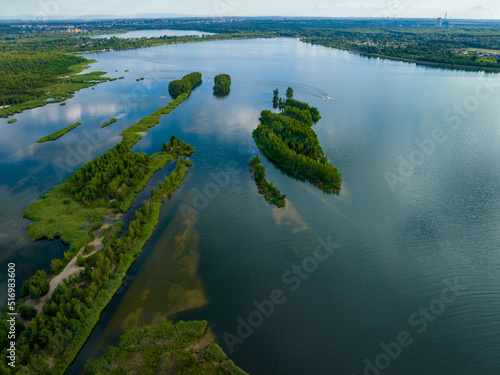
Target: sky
57, 9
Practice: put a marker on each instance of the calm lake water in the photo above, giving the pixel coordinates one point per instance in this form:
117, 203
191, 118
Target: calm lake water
402, 232
153, 33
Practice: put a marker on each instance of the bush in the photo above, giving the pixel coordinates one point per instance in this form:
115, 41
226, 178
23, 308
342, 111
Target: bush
56, 266
27, 311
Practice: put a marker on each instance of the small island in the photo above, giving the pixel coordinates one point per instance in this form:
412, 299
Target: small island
12, 121
107, 123
222, 84
180, 348
58, 134
287, 138
184, 85
270, 192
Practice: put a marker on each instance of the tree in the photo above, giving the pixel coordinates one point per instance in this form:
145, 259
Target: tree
27, 311
289, 92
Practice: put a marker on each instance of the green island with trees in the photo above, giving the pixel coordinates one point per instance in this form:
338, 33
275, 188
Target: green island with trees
73, 211
222, 84
11, 121
107, 123
180, 348
287, 138
266, 188
59, 133
184, 85
35, 79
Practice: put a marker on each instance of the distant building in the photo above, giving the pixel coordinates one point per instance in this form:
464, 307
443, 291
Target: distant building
439, 22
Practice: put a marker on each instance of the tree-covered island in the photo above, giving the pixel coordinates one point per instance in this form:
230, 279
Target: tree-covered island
287, 138
222, 84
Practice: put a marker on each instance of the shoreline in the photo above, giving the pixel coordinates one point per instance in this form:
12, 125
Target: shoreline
139, 232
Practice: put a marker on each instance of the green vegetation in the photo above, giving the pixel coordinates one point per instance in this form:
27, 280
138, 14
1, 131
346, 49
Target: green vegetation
53, 338
167, 349
270, 192
276, 98
222, 84
288, 139
12, 121
36, 286
177, 147
289, 92
27, 311
24, 76
53, 79
184, 85
58, 134
107, 123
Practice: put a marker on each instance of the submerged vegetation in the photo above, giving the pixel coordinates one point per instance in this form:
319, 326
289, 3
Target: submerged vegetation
270, 192
59, 133
288, 139
222, 84
73, 211
167, 349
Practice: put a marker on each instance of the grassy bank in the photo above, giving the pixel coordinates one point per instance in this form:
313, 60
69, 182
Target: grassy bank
107, 123
72, 211
181, 348
58, 134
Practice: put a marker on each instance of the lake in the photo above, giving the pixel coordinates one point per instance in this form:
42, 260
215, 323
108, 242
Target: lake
410, 259
152, 34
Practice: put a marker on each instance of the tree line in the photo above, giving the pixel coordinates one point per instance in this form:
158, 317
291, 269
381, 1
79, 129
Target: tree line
271, 193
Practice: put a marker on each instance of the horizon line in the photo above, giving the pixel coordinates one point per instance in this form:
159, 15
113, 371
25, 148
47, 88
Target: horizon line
186, 16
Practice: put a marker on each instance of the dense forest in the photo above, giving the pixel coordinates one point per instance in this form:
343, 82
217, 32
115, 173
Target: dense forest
288, 139
266, 188
23, 76
222, 84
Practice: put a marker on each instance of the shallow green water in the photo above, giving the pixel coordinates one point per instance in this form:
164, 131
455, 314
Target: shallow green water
399, 240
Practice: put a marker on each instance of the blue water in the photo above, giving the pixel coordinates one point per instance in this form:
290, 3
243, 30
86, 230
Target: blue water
153, 33
401, 238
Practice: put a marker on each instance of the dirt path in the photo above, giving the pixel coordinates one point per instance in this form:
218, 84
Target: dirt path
71, 269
